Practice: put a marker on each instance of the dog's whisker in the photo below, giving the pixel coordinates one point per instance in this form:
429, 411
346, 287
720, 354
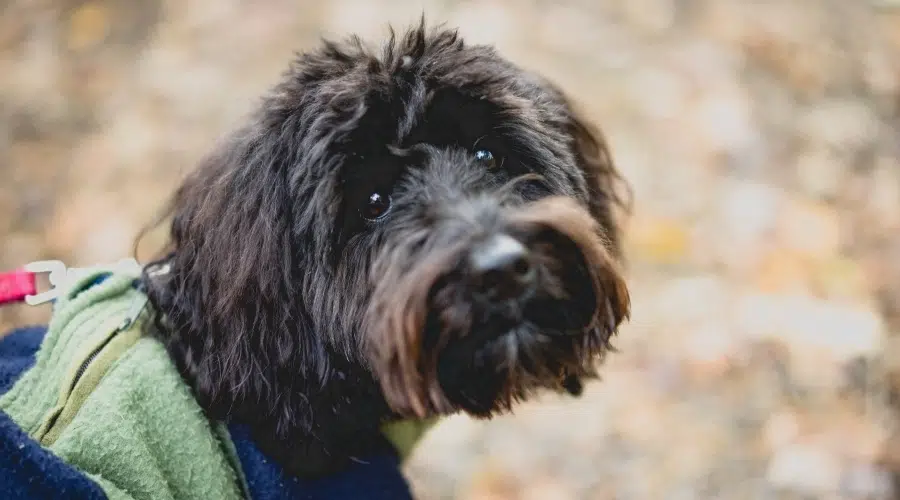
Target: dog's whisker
611, 319
512, 353
509, 186
468, 398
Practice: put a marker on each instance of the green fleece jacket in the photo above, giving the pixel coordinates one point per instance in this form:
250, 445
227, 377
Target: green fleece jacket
110, 402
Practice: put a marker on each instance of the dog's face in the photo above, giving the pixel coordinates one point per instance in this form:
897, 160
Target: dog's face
431, 218
465, 209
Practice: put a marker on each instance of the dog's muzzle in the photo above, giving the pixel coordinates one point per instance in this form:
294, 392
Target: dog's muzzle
493, 301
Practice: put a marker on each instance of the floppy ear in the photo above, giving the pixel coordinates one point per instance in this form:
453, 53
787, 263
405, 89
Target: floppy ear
232, 318
610, 194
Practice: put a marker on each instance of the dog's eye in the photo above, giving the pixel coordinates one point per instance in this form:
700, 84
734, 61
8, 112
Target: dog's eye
485, 157
376, 206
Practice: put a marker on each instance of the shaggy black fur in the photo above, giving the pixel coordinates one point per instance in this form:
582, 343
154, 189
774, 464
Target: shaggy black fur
316, 283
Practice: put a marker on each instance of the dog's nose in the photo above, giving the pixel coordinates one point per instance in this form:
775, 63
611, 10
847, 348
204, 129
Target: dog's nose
501, 268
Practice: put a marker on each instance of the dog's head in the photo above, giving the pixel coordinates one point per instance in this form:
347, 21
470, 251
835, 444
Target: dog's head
431, 219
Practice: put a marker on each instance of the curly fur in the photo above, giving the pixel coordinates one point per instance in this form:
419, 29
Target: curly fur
286, 310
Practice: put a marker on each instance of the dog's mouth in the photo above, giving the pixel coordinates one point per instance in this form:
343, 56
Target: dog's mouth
537, 312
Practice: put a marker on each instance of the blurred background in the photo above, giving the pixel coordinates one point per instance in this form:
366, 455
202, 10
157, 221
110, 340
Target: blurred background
762, 140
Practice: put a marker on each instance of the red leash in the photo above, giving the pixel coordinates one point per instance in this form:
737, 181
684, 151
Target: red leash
16, 285
21, 285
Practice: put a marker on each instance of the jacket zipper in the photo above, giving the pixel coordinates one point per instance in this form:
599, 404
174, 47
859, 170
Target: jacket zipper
126, 323
82, 368
88, 360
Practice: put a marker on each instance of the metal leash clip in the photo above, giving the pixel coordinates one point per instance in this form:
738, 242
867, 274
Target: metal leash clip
58, 276
61, 277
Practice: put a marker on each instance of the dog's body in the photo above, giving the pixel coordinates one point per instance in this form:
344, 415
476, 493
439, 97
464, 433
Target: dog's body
394, 235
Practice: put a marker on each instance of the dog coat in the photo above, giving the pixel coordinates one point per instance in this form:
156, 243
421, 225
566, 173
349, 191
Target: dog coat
90, 408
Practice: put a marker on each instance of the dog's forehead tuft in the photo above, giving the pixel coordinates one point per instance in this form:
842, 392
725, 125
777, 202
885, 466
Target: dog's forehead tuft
340, 76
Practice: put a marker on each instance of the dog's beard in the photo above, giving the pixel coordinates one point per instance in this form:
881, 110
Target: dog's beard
441, 349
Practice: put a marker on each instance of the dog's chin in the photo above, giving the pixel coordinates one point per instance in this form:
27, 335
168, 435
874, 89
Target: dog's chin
505, 361
488, 381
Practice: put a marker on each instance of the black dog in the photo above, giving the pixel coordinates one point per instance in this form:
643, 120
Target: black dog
405, 234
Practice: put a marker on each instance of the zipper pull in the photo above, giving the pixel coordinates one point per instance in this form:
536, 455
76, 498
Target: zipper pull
136, 309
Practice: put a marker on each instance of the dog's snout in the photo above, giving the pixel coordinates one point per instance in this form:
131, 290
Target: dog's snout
501, 268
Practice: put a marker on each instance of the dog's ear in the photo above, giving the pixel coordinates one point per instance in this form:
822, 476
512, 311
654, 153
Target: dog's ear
610, 194
233, 320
